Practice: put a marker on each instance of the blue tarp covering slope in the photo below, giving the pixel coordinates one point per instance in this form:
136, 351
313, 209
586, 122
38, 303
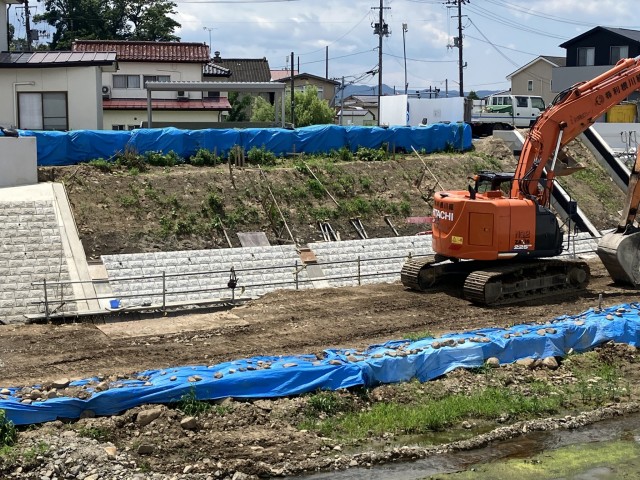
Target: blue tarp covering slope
391, 362
70, 148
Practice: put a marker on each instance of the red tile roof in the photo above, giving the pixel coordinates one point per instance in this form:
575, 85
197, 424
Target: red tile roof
221, 103
147, 51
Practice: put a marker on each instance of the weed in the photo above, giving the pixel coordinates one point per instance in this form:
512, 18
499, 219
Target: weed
356, 206
405, 208
322, 213
166, 227
419, 335
436, 415
101, 164
315, 187
188, 225
191, 406
96, 433
129, 201
215, 203
131, 159
159, 159
365, 183
344, 154
328, 403
134, 171
8, 433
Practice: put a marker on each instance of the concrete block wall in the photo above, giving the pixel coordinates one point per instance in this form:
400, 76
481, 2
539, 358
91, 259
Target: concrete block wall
376, 266
31, 250
272, 268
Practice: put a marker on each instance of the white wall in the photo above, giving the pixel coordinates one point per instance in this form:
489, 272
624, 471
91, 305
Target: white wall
84, 102
179, 72
611, 133
394, 110
18, 161
134, 117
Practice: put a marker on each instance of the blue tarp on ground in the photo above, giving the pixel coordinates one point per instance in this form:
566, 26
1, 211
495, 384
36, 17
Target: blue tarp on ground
70, 148
395, 361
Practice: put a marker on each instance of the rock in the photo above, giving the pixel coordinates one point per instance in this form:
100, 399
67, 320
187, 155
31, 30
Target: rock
93, 476
550, 362
218, 375
35, 394
194, 378
492, 362
111, 452
240, 476
353, 463
189, 423
173, 378
51, 394
542, 332
145, 417
60, 383
187, 469
335, 362
526, 362
102, 386
466, 425
5, 391
289, 365
145, 449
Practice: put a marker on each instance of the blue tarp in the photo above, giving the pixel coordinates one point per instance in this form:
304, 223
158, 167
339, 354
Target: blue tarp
70, 148
395, 361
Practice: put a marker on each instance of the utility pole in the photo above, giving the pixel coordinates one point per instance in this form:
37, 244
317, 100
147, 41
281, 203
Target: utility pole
293, 96
404, 48
457, 42
382, 30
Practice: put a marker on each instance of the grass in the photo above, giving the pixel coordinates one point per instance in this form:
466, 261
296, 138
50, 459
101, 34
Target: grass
96, 433
191, 406
436, 415
8, 433
419, 335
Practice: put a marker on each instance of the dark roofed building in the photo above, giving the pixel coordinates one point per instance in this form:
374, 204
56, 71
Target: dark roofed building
244, 69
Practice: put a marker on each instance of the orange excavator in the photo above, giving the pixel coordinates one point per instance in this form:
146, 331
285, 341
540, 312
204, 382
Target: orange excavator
499, 236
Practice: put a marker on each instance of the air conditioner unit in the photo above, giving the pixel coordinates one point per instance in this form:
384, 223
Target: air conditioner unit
106, 91
183, 96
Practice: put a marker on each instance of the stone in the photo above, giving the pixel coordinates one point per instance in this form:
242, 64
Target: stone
5, 391
218, 375
173, 378
492, 362
189, 423
60, 383
51, 394
542, 332
335, 362
187, 469
550, 362
145, 449
526, 362
194, 378
289, 365
145, 417
111, 452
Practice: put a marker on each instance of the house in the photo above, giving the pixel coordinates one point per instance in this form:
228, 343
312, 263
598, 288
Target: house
124, 93
53, 90
366, 102
535, 77
50, 90
355, 116
594, 52
326, 88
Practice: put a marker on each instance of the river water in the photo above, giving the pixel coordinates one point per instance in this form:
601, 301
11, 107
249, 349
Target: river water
598, 435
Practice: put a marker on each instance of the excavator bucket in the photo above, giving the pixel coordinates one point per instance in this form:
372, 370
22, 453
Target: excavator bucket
620, 254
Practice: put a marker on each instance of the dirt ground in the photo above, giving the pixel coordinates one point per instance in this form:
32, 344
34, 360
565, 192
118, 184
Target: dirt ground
260, 438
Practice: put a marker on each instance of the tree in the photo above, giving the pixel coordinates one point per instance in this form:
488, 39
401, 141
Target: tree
239, 104
473, 95
108, 20
309, 109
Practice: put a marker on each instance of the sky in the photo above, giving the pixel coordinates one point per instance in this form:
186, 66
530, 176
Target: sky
499, 36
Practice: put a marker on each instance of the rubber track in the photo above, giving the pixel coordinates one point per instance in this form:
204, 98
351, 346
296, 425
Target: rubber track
410, 273
474, 286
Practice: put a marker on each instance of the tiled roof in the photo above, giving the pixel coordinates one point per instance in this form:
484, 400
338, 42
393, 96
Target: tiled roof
213, 70
221, 103
246, 69
55, 59
128, 51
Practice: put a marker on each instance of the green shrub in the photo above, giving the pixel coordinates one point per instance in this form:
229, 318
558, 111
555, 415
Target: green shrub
315, 187
343, 154
371, 154
131, 159
215, 203
261, 156
204, 158
158, 159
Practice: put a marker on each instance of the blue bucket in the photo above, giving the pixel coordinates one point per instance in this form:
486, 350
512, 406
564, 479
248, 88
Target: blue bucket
115, 303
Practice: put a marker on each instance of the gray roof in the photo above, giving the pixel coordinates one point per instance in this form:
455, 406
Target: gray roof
633, 35
55, 59
559, 61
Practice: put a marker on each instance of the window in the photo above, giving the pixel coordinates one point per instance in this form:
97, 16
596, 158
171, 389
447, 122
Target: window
213, 94
618, 53
43, 111
117, 127
154, 78
537, 102
586, 56
126, 81
522, 102
530, 86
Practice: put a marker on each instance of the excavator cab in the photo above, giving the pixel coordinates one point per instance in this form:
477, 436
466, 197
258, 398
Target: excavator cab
486, 180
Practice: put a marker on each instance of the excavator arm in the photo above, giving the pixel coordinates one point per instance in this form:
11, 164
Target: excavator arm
570, 114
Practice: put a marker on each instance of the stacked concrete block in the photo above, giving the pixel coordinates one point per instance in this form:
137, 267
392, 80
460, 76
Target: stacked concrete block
202, 275
31, 250
381, 259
